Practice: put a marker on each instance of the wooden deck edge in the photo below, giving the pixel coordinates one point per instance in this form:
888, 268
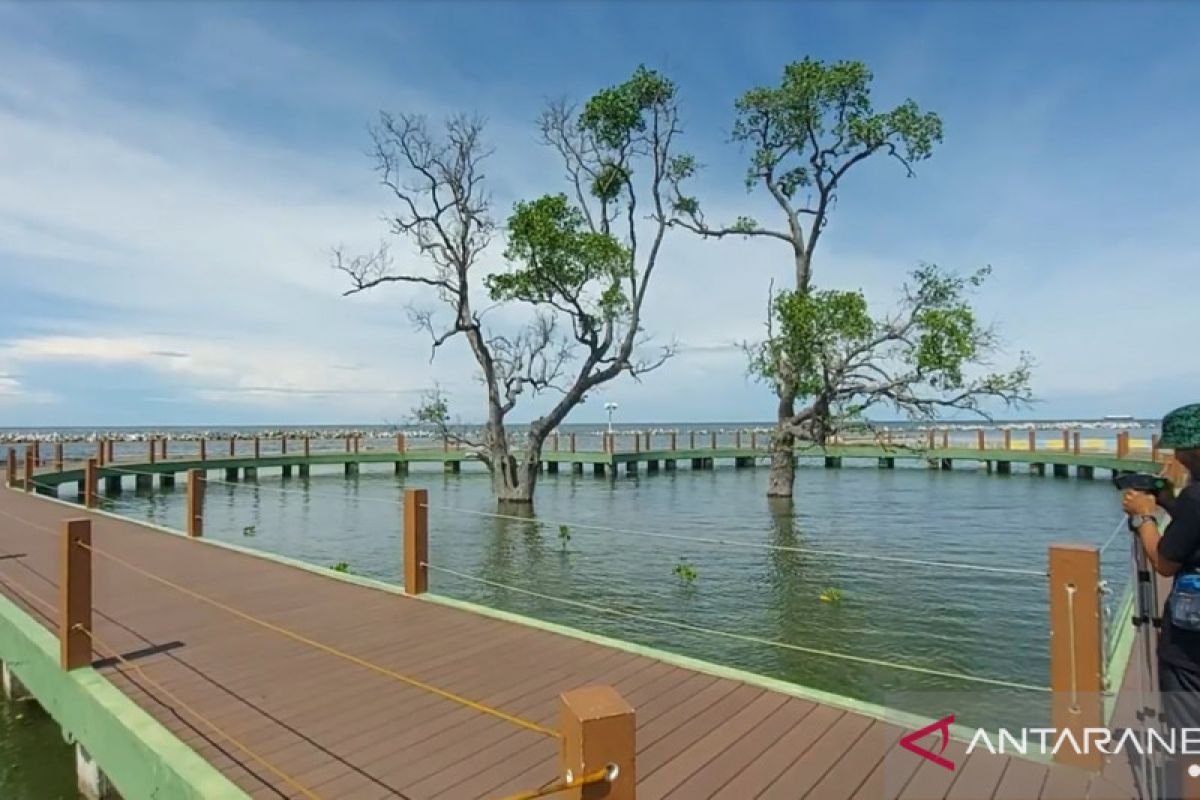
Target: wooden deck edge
1118, 664
139, 755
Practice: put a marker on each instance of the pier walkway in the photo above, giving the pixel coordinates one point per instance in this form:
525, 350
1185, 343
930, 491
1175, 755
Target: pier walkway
288, 682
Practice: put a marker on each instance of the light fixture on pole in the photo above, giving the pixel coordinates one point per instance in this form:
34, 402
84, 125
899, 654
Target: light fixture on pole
610, 407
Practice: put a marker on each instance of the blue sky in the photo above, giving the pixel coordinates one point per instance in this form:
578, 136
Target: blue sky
172, 177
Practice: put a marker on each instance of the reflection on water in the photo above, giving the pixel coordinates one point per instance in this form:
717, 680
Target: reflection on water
35, 763
983, 624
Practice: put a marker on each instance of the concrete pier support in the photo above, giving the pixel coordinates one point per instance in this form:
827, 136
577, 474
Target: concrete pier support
304, 470
947, 464
742, 462
287, 470
631, 468
577, 468
112, 484
143, 483
250, 473
833, 462
92, 783
551, 467
1037, 469
887, 463
1060, 470
350, 468
598, 470
231, 474
1003, 467
166, 480
669, 465
652, 466
697, 463
1085, 472
453, 467
400, 468
989, 467
14, 690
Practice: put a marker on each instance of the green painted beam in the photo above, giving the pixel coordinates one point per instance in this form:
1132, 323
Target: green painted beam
139, 755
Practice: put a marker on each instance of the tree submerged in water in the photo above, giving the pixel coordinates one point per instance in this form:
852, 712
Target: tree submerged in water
580, 265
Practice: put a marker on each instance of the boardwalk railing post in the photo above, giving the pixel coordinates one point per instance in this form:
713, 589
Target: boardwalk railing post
946, 439
151, 451
637, 442
691, 440
58, 456
75, 595
931, 440
195, 503
647, 440
598, 730
1032, 439
1075, 648
554, 447
100, 451
737, 439
1122, 444
232, 445
1008, 440
1066, 440
1154, 454
90, 480
283, 444
1075, 442
162, 448
416, 541
27, 484
10, 470
712, 440
307, 446
109, 451
979, 437
203, 449
572, 443
37, 452
357, 438
257, 448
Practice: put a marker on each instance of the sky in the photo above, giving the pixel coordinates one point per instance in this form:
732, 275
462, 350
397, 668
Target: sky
174, 176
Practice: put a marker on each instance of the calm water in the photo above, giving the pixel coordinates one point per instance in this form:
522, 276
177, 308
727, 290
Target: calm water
975, 623
35, 763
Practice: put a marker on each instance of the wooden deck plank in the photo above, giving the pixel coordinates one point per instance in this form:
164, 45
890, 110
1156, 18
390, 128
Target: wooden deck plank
808, 770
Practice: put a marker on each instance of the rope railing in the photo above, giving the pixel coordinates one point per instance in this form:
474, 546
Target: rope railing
325, 648
752, 545
607, 774
741, 636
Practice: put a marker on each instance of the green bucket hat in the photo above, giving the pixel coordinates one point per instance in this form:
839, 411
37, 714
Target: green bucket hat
1181, 428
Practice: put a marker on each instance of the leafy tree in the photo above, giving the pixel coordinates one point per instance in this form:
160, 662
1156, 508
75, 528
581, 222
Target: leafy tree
825, 356
582, 265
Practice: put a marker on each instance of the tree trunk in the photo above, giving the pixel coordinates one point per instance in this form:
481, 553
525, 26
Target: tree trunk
783, 453
513, 479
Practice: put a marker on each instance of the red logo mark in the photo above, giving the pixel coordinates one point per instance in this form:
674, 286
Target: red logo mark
909, 742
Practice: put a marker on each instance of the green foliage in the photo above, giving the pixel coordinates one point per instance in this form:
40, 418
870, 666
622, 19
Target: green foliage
249, 530
556, 258
615, 115
433, 410
341, 566
821, 117
685, 572
831, 595
564, 536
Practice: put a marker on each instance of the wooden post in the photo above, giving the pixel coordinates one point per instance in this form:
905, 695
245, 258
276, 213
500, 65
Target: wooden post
931, 439
90, 481
109, 451
283, 444
308, 443
37, 452
674, 440
980, 437
598, 730
1154, 454
151, 450
1007, 440
75, 595
100, 451
203, 449
572, 438
1032, 439
946, 439
347, 442
637, 442
162, 448
416, 541
10, 470
257, 448
195, 503
232, 444
28, 484
737, 439
1122, 444
1075, 648
753, 440
647, 440
356, 441
58, 456
691, 440
555, 440
712, 440
1066, 440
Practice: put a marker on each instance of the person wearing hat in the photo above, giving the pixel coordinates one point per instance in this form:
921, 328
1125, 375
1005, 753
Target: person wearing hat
1175, 553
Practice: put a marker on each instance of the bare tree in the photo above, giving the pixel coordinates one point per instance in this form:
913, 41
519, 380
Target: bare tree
583, 275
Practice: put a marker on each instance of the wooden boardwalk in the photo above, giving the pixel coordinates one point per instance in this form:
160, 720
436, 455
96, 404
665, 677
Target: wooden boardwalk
346, 732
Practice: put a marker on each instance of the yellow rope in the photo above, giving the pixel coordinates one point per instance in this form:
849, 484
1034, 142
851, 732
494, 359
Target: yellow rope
606, 775
447, 695
112, 653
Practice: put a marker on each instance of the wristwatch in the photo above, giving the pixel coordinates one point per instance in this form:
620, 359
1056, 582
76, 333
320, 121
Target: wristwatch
1138, 520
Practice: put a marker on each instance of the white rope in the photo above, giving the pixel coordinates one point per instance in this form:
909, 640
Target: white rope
744, 637
1071, 637
752, 545
1121, 523
256, 485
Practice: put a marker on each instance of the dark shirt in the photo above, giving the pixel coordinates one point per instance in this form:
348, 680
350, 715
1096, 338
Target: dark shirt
1181, 543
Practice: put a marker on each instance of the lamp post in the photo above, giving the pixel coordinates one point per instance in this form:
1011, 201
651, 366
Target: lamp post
610, 407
